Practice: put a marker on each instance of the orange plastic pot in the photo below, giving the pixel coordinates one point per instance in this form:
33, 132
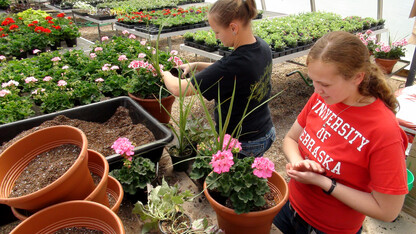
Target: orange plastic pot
97, 164
88, 214
75, 184
258, 222
115, 190
155, 109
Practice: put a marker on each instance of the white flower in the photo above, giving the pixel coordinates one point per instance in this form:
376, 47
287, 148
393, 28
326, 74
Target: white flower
65, 67
98, 80
30, 79
47, 78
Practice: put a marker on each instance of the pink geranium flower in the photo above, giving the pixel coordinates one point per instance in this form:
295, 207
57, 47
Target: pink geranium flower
123, 146
35, 51
132, 36
47, 78
2, 57
10, 83
65, 67
62, 83
263, 167
222, 161
142, 55
115, 67
122, 57
125, 32
4, 92
55, 59
105, 38
93, 55
143, 42
30, 79
99, 80
98, 49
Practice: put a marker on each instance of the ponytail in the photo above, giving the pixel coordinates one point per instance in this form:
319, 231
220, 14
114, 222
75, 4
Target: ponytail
374, 84
225, 11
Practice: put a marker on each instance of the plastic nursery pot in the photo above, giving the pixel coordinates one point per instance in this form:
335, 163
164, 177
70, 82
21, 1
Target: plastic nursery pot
258, 222
115, 190
153, 107
98, 165
76, 183
410, 179
86, 214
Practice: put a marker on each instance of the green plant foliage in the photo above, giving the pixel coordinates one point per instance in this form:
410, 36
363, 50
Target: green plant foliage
141, 172
164, 202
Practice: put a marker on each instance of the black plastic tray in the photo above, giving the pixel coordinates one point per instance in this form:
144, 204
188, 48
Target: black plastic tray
100, 112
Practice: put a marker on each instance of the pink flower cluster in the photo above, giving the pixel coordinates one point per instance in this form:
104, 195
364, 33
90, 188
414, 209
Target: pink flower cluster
62, 83
30, 79
222, 161
10, 83
47, 78
402, 42
108, 67
176, 60
382, 47
123, 147
56, 59
230, 143
36, 91
122, 57
366, 38
2, 57
4, 92
263, 167
135, 64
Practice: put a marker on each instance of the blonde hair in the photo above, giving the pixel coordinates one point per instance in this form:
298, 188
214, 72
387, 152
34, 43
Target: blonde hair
350, 56
225, 11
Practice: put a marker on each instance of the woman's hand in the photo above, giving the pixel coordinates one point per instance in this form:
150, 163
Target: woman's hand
305, 176
187, 68
306, 165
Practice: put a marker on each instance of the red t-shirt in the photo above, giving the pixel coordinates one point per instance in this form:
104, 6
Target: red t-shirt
362, 148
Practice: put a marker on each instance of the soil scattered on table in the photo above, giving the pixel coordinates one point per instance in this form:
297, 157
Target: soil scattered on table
44, 169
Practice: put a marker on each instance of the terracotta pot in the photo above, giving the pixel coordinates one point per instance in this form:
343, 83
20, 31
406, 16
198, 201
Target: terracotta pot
76, 183
98, 165
386, 64
153, 107
86, 214
258, 222
115, 190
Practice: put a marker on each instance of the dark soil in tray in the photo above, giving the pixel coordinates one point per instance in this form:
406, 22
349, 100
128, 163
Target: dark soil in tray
100, 135
44, 169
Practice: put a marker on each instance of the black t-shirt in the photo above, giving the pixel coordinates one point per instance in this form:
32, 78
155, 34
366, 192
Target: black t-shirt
250, 65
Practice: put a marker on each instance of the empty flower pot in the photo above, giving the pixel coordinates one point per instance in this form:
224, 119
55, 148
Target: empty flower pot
115, 190
98, 165
75, 184
70, 214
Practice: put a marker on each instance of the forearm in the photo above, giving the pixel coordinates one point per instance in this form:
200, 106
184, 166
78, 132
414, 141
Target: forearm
199, 66
291, 150
380, 206
177, 86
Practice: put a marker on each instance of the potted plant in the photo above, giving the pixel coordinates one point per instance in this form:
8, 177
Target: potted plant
164, 205
245, 193
147, 88
387, 55
135, 173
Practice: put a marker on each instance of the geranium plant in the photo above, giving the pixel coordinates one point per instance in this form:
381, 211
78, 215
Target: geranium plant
368, 40
392, 50
242, 181
136, 172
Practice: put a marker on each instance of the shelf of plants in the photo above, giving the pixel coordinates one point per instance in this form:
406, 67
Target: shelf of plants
289, 37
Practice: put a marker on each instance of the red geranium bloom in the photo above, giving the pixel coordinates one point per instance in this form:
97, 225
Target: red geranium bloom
20, 18
61, 15
50, 22
30, 25
35, 22
13, 26
1, 29
3, 35
69, 17
56, 27
48, 18
46, 30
